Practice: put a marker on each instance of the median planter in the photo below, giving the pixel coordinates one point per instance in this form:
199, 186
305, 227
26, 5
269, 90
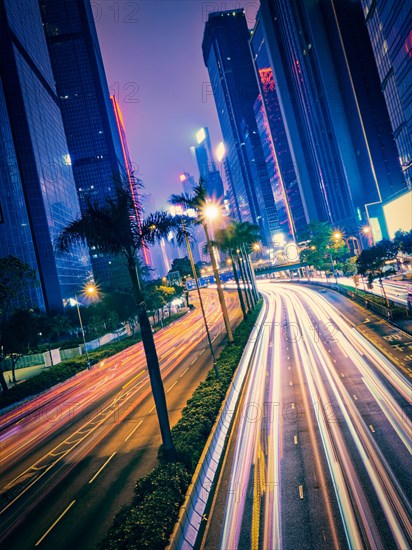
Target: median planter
148, 522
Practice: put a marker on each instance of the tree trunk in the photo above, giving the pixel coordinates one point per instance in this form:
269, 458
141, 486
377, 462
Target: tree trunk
220, 294
239, 290
13, 369
3, 382
152, 363
248, 291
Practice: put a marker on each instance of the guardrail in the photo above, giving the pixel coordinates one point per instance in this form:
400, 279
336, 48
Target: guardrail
393, 312
192, 511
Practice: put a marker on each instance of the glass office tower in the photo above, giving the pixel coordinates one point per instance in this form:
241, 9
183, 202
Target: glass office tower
227, 57
37, 192
288, 193
389, 24
88, 116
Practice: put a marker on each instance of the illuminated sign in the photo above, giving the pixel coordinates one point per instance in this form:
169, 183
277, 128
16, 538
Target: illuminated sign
398, 214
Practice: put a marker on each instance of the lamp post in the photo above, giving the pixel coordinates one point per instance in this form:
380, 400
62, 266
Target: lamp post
192, 264
89, 290
210, 211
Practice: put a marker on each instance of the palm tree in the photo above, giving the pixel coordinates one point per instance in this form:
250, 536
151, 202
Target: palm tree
225, 241
198, 202
246, 234
115, 228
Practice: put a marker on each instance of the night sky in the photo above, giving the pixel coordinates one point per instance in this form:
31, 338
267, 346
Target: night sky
153, 59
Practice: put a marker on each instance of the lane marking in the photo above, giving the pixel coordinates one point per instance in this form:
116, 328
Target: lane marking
184, 372
55, 523
372, 428
101, 468
172, 386
301, 492
134, 429
152, 409
193, 361
295, 439
132, 380
355, 398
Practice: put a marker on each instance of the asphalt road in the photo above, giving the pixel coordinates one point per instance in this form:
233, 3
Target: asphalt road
69, 458
320, 453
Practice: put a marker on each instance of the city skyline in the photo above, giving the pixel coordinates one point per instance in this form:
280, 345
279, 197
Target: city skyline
171, 69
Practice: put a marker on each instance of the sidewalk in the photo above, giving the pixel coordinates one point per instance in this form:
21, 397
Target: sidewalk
23, 374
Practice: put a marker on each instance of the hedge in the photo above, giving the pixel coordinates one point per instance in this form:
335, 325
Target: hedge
149, 520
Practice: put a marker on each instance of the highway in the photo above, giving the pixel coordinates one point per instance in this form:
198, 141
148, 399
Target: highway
397, 291
320, 453
70, 457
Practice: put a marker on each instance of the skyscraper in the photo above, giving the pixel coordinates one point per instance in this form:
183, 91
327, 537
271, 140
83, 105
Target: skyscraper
288, 193
390, 29
92, 134
228, 60
37, 192
333, 133
188, 183
207, 165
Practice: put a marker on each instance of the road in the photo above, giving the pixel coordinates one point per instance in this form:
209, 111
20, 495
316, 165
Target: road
397, 291
320, 454
69, 458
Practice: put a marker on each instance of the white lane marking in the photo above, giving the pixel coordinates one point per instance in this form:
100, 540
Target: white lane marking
193, 361
101, 468
55, 523
134, 429
172, 386
184, 372
152, 409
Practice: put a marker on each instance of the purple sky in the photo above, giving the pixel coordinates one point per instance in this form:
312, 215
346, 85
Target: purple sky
153, 60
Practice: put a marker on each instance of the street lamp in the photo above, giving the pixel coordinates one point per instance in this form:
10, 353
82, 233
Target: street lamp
192, 264
90, 290
210, 211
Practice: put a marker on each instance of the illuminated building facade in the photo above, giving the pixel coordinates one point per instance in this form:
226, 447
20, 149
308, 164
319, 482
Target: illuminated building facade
289, 196
389, 24
92, 134
38, 195
207, 166
135, 184
227, 57
329, 100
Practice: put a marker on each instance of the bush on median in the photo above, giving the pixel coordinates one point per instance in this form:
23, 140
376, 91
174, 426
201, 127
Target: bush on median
148, 522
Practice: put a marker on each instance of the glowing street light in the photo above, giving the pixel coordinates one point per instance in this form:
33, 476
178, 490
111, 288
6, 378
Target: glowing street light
211, 211
91, 291
337, 235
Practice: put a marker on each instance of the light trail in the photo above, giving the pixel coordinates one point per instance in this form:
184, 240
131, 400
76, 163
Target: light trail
326, 364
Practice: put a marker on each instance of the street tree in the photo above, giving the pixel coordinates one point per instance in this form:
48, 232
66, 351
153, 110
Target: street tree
15, 276
199, 202
116, 228
404, 241
323, 246
371, 261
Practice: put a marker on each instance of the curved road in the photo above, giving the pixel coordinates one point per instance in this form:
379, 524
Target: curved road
321, 451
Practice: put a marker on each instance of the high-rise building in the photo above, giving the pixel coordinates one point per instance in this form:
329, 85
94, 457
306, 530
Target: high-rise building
289, 196
207, 166
341, 152
228, 60
89, 119
188, 183
389, 24
38, 195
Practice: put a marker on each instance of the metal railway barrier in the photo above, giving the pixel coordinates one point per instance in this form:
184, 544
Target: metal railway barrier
193, 509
